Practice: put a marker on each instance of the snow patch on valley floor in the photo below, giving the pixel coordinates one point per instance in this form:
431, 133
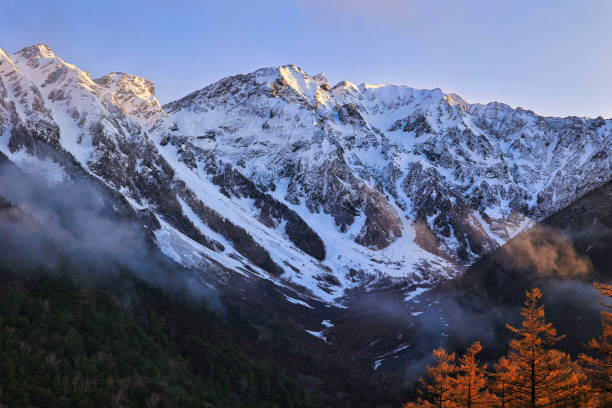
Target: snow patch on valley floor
318, 334
377, 363
327, 323
414, 294
393, 353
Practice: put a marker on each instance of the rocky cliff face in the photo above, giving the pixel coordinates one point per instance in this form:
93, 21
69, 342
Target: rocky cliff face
276, 174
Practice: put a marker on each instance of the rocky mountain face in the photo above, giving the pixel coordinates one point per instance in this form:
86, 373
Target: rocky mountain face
321, 215
386, 163
277, 175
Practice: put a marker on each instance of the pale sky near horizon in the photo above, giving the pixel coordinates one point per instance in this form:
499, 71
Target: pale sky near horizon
554, 57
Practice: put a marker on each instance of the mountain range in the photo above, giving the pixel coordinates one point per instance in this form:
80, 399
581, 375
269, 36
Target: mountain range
326, 206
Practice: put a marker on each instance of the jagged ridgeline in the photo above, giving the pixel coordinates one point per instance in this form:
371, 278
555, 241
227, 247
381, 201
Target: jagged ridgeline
316, 217
278, 174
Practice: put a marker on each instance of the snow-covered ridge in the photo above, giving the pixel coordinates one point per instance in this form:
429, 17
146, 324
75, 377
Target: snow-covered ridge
472, 174
279, 175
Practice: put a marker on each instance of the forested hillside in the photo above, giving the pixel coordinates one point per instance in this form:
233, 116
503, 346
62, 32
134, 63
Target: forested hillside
62, 346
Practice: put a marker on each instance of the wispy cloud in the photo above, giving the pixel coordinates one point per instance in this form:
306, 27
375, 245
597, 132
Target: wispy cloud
81, 224
548, 252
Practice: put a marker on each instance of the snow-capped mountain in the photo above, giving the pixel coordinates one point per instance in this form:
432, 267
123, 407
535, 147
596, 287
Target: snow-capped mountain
279, 175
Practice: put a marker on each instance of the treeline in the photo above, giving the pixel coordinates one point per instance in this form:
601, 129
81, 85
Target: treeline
64, 346
533, 374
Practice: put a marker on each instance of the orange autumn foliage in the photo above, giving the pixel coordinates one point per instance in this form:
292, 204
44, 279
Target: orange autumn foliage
542, 377
455, 384
532, 375
503, 377
470, 383
437, 392
599, 365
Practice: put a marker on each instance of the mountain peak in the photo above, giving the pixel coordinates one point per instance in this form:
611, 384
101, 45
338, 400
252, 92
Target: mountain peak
345, 85
37, 51
121, 80
454, 99
297, 79
3, 55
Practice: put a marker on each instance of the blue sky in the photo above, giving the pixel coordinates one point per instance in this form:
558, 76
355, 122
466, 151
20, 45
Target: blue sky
554, 57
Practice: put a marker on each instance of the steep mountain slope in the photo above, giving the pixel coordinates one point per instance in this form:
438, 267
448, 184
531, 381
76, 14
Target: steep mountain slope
563, 255
106, 249
286, 196
275, 174
386, 163
573, 245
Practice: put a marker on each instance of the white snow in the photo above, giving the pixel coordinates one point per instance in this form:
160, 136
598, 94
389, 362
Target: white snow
327, 323
514, 155
393, 353
297, 302
45, 169
414, 294
318, 334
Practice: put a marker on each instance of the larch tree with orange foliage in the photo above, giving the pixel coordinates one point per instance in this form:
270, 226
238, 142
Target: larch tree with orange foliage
502, 379
437, 391
419, 403
599, 365
470, 383
542, 377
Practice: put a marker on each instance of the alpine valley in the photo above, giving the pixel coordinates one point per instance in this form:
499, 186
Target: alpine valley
352, 228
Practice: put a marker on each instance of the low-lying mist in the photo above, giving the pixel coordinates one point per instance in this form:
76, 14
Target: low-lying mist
81, 229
